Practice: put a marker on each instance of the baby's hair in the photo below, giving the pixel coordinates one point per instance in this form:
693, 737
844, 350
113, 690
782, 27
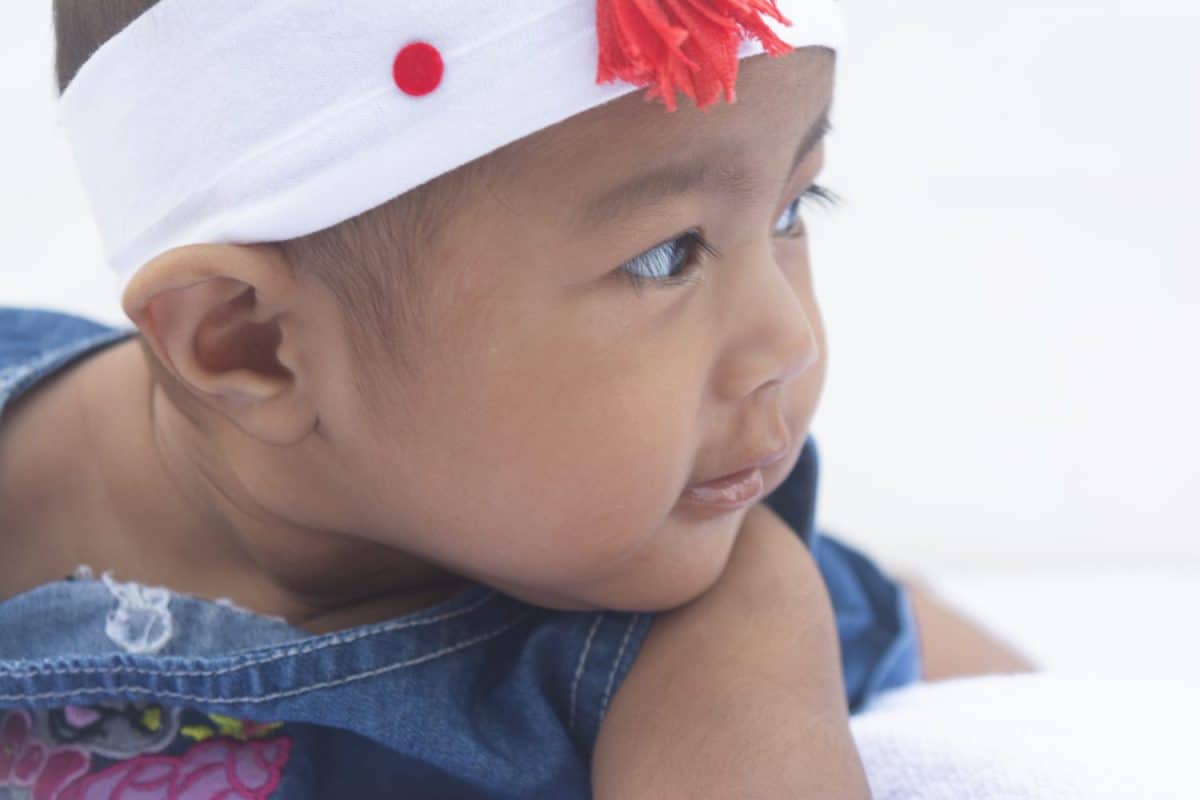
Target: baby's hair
367, 262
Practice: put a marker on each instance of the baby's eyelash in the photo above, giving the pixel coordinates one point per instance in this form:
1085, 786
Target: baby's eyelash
814, 194
683, 252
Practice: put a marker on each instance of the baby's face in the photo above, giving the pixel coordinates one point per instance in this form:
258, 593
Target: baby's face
560, 410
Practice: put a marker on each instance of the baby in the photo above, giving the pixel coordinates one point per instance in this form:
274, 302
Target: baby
477, 462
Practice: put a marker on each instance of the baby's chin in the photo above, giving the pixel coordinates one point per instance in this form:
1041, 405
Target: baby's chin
652, 599
687, 561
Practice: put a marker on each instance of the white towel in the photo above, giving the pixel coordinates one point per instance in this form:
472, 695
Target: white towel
1049, 736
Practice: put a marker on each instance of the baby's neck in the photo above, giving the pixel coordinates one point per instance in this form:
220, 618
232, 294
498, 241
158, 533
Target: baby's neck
97, 467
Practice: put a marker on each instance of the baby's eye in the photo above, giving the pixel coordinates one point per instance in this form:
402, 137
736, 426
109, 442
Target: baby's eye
791, 223
670, 263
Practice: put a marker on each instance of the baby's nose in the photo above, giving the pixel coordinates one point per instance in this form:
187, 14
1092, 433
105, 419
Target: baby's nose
773, 336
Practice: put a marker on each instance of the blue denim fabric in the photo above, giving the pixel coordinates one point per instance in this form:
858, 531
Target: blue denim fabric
480, 696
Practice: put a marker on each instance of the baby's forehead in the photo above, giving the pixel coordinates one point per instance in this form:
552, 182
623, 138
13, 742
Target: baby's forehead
572, 179
627, 137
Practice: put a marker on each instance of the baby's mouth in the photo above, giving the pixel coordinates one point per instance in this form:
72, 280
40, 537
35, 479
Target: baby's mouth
735, 490
729, 493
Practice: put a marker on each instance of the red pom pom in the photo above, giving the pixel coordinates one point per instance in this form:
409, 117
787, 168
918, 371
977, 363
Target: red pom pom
689, 46
418, 69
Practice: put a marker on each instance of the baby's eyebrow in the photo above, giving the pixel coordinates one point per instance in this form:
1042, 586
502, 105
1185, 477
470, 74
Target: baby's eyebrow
677, 179
820, 129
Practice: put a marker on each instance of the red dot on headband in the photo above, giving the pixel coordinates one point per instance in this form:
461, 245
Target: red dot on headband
418, 69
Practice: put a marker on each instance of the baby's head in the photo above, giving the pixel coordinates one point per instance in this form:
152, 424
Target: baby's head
513, 371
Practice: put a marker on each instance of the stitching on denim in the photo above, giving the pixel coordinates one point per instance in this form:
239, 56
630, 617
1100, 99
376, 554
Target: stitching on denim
579, 669
80, 347
275, 655
11, 376
616, 662
159, 693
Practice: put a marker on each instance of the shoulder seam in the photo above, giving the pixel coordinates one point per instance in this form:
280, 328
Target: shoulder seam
263, 698
587, 646
612, 674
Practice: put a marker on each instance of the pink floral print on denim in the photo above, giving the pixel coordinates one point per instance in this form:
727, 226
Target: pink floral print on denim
38, 769
217, 769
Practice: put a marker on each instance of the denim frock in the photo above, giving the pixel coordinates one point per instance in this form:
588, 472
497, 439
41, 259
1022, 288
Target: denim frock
119, 690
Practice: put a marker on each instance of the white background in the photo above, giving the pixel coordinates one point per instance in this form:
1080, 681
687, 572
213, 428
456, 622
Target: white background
1012, 294
1011, 291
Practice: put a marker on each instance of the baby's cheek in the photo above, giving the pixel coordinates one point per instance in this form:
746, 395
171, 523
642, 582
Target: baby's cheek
575, 464
621, 494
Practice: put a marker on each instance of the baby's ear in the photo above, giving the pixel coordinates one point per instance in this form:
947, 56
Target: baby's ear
217, 318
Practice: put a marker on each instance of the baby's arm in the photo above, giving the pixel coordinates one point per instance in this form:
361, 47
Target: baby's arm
955, 645
740, 692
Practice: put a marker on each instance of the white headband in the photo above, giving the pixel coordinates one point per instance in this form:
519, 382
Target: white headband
243, 121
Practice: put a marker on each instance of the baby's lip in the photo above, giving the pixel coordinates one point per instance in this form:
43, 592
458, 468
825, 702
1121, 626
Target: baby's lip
727, 494
757, 463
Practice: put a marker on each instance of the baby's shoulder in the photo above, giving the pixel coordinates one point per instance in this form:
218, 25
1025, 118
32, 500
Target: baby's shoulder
35, 343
